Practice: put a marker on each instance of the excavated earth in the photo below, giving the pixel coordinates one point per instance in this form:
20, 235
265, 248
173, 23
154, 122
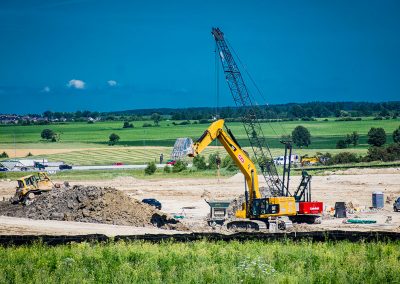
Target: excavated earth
93, 205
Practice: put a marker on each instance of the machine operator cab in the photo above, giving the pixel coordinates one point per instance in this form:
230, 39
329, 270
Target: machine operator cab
273, 206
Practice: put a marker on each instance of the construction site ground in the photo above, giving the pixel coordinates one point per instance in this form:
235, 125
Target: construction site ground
186, 197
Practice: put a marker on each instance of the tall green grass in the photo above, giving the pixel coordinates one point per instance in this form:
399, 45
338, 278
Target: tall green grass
203, 262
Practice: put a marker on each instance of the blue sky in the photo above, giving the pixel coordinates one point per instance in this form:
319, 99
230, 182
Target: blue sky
117, 55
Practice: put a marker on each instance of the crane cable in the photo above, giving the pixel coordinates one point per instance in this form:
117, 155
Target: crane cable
216, 59
257, 88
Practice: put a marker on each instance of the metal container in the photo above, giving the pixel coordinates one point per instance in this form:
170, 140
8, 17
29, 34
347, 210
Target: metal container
340, 210
377, 199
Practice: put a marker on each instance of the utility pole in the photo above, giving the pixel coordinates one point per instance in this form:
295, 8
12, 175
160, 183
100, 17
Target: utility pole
15, 148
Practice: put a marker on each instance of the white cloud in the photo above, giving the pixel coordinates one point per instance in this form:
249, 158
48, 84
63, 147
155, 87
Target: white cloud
112, 83
77, 84
46, 89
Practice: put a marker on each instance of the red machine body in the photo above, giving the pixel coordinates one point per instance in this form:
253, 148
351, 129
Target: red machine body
312, 207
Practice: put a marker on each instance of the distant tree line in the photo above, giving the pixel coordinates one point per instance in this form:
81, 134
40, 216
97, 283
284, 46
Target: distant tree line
280, 111
291, 111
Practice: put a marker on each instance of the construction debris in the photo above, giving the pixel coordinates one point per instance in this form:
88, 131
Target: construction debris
93, 205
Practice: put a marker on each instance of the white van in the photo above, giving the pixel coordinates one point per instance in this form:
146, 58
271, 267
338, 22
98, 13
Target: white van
281, 159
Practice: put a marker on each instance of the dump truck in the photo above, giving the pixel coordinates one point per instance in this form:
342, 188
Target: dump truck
30, 186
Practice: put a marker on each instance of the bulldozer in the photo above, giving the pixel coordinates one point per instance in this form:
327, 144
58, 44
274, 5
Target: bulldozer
30, 186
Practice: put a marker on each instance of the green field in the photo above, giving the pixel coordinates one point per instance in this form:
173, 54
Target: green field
86, 144
203, 262
324, 133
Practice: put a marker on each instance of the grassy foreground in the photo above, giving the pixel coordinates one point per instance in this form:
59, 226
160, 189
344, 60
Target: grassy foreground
202, 262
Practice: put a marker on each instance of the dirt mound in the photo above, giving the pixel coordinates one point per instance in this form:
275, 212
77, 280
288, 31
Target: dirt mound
93, 205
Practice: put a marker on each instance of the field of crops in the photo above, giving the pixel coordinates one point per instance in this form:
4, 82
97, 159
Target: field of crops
202, 262
325, 133
86, 144
142, 155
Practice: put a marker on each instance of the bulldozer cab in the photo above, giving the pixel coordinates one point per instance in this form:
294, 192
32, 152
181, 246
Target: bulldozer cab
36, 183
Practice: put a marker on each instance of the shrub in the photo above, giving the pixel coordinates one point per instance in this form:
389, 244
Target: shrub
229, 164
90, 122
167, 169
345, 158
146, 124
150, 169
341, 144
186, 122
179, 166
4, 155
127, 125
200, 162
203, 121
386, 154
29, 154
393, 151
212, 161
396, 135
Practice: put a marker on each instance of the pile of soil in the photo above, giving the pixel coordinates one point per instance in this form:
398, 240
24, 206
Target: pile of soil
93, 205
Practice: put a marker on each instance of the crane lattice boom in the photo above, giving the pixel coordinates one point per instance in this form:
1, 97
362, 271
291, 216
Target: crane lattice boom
242, 99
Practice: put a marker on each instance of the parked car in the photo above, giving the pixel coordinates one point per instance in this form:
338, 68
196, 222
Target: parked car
39, 166
171, 162
396, 205
152, 202
65, 167
3, 170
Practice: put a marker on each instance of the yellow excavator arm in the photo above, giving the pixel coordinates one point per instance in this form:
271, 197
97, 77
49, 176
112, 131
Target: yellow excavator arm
239, 156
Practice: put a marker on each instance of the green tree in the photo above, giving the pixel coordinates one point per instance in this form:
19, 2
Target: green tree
167, 169
376, 136
396, 135
127, 125
301, 136
150, 169
200, 162
113, 139
354, 138
345, 158
212, 161
4, 155
229, 164
179, 166
156, 118
341, 144
48, 134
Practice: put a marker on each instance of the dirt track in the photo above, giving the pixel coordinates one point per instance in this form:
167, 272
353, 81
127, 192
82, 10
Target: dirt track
186, 197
